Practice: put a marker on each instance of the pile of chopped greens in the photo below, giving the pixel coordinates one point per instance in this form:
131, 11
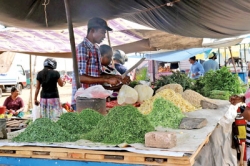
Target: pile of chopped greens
222, 80
72, 123
165, 114
176, 77
45, 130
124, 124
90, 119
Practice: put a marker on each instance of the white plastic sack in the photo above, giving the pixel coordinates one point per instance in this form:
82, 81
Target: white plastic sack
144, 92
127, 95
35, 112
96, 91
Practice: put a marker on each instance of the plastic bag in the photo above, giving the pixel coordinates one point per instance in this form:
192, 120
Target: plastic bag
127, 95
96, 91
35, 112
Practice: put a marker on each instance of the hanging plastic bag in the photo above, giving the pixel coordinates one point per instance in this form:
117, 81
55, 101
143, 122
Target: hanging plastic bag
96, 91
35, 112
127, 95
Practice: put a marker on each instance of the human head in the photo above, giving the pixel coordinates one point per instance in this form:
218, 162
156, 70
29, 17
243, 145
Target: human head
120, 56
97, 28
50, 63
14, 91
106, 54
192, 60
212, 55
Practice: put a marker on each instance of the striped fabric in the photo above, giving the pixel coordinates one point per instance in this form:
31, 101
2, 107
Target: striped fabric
57, 41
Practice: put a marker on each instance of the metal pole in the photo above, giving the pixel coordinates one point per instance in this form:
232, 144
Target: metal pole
225, 56
72, 42
232, 59
219, 56
245, 57
153, 67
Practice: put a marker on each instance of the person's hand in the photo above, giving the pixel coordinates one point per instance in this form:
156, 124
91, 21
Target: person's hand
113, 81
36, 102
126, 80
15, 113
235, 99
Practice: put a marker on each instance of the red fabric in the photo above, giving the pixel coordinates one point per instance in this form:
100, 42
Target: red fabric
114, 103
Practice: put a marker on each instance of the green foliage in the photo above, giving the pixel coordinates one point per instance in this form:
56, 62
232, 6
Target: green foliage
90, 119
122, 124
176, 77
165, 114
72, 123
217, 94
221, 79
45, 130
142, 75
132, 84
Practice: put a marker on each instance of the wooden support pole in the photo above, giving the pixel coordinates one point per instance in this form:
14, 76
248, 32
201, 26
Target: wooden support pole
153, 69
225, 51
232, 59
219, 56
72, 42
30, 100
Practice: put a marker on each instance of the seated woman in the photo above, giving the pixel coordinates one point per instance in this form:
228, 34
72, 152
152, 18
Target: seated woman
14, 104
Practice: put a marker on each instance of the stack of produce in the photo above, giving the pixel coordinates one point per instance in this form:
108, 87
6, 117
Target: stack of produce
45, 130
177, 78
90, 119
165, 114
222, 80
168, 94
222, 95
72, 123
193, 97
124, 124
175, 87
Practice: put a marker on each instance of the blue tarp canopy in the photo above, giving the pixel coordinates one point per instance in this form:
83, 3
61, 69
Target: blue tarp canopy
173, 56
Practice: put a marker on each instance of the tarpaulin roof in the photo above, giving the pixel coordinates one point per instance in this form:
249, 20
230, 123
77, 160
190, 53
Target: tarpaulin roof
196, 18
172, 56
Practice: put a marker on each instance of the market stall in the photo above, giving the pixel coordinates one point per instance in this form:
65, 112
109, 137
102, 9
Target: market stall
190, 144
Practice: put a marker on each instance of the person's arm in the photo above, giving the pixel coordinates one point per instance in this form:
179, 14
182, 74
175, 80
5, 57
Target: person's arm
6, 103
21, 106
237, 99
99, 80
201, 70
38, 86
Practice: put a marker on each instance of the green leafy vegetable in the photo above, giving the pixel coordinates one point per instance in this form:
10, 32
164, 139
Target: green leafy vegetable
222, 80
176, 77
122, 124
72, 123
142, 74
165, 114
90, 119
45, 130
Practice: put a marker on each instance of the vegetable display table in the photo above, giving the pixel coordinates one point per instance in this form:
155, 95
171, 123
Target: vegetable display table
194, 147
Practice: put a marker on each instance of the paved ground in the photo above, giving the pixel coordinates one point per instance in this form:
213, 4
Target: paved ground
64, 92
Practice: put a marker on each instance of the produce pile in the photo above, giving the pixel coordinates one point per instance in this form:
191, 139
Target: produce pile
175, 87
168, 94
90, 119
122, 124
165, 114
45, 130
193, 97
222, 80
175, 78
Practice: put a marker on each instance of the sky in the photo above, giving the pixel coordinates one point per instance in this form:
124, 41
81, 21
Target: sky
62, 63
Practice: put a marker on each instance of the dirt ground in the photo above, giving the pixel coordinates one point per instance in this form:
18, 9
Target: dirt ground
64, 93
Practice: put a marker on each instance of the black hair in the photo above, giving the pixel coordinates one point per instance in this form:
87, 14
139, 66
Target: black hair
193, 58
104, 49
13, 89
214, 55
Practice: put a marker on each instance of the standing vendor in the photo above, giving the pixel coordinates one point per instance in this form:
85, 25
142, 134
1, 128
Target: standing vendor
106, 58
211, 64
89, 58
196, 69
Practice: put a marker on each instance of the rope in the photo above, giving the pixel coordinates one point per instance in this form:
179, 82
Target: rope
45, 11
